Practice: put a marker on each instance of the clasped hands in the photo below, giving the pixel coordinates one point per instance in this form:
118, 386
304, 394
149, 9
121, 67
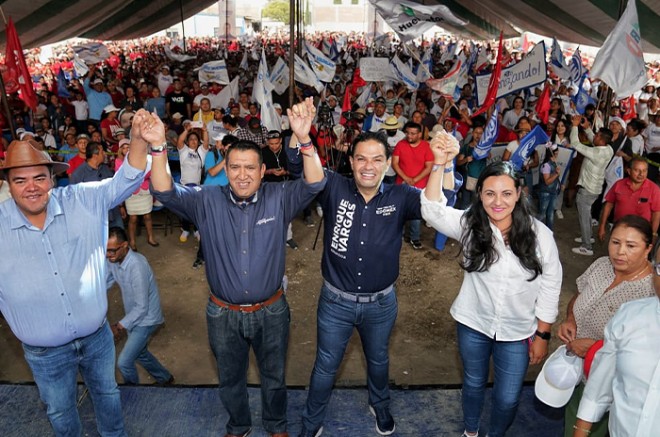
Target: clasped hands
444, 147
147, 128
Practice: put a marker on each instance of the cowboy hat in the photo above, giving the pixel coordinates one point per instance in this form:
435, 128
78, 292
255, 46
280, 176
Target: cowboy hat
391, 123
24, 154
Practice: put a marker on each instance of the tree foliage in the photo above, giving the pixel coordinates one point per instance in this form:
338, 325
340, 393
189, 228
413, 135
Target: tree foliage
277, 10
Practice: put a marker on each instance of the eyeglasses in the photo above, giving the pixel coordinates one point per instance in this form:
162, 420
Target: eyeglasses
115, 250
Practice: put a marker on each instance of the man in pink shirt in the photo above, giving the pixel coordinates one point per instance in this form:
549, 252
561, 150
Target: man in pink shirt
412, 161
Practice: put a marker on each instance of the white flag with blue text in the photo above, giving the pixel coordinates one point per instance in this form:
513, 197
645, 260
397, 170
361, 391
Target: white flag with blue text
323, 66
576, 67
404, 74
557, 63
303, 73
488, 138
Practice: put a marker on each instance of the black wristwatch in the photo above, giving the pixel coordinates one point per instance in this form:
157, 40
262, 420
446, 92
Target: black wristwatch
543, 335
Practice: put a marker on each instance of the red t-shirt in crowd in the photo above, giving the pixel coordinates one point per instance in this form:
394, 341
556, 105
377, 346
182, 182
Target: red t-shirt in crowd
412, 159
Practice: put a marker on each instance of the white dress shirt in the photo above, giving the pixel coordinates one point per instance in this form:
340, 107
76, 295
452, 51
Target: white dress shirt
500, 302
625, 374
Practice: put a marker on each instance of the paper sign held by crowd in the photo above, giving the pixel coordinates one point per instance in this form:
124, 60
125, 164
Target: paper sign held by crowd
527, 73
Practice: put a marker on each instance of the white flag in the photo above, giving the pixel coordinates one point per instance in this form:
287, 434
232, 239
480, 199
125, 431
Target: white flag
214, 71
92, 53
244, 61
363, 98
279, 77
424, 69
403, 73
447, 85
80, 66
323, 66
576, 67
409, 20
180, 57
303, 73
620, 61
227, 93
262, 93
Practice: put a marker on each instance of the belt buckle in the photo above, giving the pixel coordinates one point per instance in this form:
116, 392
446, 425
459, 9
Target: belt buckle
363, 299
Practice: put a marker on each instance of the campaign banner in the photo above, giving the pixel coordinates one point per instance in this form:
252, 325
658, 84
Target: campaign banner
92, 53
214, 71
375, 69
527, 73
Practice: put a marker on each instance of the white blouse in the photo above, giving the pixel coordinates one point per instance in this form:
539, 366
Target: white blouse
501, 302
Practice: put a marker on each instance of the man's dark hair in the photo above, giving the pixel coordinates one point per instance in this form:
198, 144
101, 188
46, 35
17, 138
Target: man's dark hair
231, 121
118, 233
379, 137
93, 148
606, 134
229, 140
411, 124
242, 146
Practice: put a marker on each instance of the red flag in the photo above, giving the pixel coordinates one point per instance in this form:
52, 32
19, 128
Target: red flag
15, 61
346, 105
357, 81
543, 105
494, 83
627, 107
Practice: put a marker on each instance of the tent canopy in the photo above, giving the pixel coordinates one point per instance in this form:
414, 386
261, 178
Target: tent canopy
40, 22
582, 22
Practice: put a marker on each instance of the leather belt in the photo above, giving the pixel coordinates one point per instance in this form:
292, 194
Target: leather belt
359, 297
250, 307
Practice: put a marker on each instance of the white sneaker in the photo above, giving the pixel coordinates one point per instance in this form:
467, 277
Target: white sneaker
560, 215
184, 236
583, 251
579, 240
319, 211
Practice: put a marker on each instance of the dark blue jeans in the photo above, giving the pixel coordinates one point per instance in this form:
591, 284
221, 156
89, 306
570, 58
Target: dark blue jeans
134, 350
55, 370
231, 334
510, 361
336, 319
547, 208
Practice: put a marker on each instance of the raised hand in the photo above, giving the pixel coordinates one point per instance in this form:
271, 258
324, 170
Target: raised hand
444, 147
152, 129
301, 116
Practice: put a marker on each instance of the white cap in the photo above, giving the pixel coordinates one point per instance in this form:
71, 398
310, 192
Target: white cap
558, 378
110, 108
620, 121
97, 81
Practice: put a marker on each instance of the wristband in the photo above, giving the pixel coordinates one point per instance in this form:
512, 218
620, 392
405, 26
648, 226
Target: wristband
584, 430
159, 148
158, 152
437, 167
543, 335
449, 169
303, 147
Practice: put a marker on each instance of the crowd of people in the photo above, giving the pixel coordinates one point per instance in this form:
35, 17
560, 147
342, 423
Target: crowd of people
376, 161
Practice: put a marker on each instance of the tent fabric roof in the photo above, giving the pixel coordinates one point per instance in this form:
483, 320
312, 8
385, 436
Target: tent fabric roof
581, 22
40, 22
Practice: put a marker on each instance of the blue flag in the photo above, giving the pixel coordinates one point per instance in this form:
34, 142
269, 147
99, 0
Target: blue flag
527, 146
576, 67
582, 98
62, 91
487, 139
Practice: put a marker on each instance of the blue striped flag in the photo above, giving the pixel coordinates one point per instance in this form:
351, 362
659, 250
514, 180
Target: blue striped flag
487, 139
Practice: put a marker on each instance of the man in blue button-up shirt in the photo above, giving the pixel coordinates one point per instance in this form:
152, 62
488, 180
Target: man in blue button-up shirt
139, 292
361, 245
243, 227
53, 292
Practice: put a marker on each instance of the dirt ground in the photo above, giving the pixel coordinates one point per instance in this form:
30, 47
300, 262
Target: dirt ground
423, 347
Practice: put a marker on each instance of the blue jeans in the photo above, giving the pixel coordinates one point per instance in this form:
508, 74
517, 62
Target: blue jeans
134, 350
336, 319
510, 361
547, 208
414, 229
55, 370
231, 333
